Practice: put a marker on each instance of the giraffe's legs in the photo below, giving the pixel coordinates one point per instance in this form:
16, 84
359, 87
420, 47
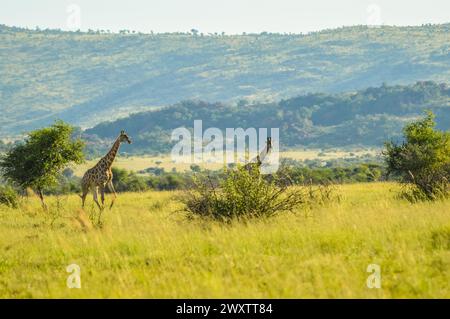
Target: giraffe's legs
95, 195
111, 188
102, 195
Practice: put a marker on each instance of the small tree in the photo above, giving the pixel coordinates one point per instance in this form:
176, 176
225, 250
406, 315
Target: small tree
38, 161
422, 160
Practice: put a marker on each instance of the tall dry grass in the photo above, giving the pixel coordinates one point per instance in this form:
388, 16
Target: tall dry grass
143, 249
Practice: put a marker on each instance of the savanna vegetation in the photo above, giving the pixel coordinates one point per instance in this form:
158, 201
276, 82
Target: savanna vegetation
147, 249
424, 151
309, 231
286, 235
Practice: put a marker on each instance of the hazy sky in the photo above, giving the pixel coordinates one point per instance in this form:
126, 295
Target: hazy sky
230, 16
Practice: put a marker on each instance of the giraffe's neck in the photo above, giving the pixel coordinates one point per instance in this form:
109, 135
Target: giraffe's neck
109, 158
260, 158
263, 154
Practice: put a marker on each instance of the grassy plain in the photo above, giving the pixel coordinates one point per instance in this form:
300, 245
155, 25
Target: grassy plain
144, 249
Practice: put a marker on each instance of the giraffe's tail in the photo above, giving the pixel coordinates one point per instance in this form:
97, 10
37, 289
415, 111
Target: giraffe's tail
84, 188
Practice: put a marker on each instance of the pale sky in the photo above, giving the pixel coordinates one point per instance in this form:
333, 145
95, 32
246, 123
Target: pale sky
230, 16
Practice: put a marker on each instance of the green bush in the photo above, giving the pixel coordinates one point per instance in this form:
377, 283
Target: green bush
125, 181
241, 194
422, 161
8, 196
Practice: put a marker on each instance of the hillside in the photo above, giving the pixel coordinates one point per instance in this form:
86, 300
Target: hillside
367, 117
87, 78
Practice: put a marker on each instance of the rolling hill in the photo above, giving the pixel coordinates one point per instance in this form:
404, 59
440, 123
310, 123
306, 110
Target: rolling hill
87, 78
366, 117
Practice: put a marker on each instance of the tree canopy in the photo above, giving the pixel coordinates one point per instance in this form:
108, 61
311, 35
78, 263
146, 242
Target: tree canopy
38, 161
423, 159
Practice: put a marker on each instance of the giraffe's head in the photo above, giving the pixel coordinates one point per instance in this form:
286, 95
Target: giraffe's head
124, 137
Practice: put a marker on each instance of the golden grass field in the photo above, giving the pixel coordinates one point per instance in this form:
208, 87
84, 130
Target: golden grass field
137, 163
145, 249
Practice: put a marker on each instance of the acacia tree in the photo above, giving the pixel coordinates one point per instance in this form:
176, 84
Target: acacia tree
38, 161
422, 160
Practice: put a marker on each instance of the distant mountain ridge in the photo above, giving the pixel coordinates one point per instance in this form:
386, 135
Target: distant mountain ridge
87, 78
367, 117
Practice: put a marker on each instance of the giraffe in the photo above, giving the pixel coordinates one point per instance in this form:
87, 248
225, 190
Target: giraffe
100, 176
257, 162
